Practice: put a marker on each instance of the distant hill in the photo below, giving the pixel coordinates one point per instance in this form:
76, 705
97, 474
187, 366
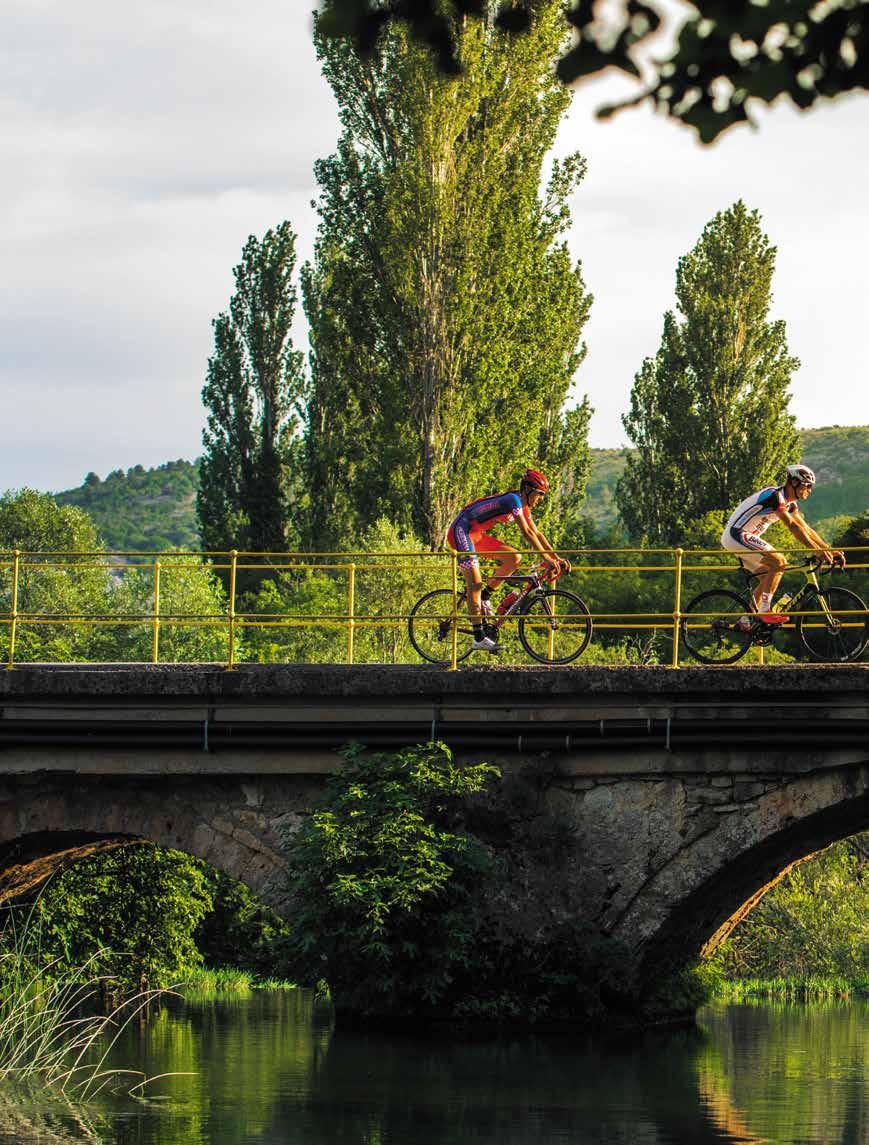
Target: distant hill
143, 509
838, 454
154, 509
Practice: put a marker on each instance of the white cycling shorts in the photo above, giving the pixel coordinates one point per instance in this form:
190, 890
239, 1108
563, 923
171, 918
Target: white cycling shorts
749, 547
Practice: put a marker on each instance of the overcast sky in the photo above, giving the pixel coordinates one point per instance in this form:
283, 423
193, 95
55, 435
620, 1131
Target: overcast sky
142, 144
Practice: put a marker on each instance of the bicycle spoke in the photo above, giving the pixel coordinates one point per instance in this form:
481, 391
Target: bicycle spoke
836, 633
555, 627
711, 628
431, 625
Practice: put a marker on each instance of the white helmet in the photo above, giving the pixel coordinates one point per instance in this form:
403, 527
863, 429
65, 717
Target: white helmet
801, 474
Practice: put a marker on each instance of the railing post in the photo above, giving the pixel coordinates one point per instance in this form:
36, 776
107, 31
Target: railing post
677, 608
155, 643
351, 609
13, 616
454, 652
233, 561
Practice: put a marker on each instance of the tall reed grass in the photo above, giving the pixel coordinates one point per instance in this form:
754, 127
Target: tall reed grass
53, 1032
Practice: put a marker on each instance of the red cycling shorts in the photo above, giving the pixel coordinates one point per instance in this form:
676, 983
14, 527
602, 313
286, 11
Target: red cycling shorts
473, 541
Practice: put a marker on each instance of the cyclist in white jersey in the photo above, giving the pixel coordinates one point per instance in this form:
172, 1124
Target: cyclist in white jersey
743, 534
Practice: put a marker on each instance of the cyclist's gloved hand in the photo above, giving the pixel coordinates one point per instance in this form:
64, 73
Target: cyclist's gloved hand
838, 559
564, 564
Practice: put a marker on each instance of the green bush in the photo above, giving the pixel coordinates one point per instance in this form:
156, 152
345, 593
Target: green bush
412, 898
140, 905
381, 878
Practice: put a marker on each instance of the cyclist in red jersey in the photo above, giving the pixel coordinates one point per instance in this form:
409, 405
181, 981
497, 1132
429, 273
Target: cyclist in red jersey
469, 534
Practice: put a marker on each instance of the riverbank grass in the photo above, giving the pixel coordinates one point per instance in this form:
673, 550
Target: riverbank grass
214, 982
812, 988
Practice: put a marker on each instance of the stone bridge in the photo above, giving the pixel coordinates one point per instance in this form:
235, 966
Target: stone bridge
686, 793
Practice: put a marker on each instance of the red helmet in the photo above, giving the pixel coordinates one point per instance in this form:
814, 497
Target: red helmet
534, 479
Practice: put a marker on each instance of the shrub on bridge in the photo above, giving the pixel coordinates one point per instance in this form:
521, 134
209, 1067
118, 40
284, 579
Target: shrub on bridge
381, 876
408, 913
193, 610
50, 585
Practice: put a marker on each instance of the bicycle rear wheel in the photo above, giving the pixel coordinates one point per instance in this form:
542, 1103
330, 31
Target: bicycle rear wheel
430, 628
709, 627
554, 626
838, 633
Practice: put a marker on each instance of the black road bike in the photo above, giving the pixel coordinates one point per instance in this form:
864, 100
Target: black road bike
834, 627
554, 626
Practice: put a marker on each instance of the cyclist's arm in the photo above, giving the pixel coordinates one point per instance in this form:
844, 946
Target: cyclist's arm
536, 540
803, 531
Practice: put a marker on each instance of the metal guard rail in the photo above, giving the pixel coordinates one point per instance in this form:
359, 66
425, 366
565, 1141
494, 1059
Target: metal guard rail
16, 564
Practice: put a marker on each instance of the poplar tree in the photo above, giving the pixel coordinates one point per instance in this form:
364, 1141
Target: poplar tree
445, 311
253, 393
709, 413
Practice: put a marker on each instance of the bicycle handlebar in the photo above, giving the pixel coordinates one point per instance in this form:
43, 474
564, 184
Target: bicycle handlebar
822, 567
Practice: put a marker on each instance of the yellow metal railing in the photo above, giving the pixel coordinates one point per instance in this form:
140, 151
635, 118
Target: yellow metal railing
398, 578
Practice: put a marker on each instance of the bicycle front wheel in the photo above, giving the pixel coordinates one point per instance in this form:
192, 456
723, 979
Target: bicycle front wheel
837, 632
430, 628
554, 626
710, 629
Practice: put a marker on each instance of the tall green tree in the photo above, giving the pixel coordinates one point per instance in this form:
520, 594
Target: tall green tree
709, 413
444, 308
253, 392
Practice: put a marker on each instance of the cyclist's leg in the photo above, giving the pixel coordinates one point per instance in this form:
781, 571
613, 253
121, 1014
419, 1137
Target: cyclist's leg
508, 559
759, 557
462, 542
769, 570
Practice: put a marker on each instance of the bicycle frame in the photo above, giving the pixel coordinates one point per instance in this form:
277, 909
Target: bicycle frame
809, 568
533, 583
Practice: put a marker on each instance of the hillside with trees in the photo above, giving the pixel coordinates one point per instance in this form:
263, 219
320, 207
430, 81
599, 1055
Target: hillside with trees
142, 510
152, 509
838, 454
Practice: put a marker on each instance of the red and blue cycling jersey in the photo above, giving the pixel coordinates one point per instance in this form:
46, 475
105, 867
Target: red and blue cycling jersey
469, 531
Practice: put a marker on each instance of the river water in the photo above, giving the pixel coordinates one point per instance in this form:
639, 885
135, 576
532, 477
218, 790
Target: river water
269, 1068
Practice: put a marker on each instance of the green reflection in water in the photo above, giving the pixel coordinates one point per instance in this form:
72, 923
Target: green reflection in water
268, 1069
787, 1072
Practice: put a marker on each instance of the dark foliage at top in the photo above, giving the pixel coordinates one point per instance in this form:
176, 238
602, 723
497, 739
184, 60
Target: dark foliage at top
727, 51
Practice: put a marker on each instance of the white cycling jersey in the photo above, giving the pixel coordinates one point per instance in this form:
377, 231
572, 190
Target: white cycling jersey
752, 517
756, 513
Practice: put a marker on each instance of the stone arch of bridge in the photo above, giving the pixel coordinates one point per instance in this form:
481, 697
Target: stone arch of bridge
233, 824
696, 899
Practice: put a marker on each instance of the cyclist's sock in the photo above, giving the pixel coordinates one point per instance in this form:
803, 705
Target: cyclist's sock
765, 602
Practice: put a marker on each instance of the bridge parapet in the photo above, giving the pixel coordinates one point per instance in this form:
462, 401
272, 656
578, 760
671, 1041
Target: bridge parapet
276, 717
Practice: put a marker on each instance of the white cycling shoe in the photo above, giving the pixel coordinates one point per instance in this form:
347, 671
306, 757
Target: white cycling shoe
487, 644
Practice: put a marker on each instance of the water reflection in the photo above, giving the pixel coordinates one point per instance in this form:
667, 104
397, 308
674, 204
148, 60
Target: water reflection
269, 1069
781, 1072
